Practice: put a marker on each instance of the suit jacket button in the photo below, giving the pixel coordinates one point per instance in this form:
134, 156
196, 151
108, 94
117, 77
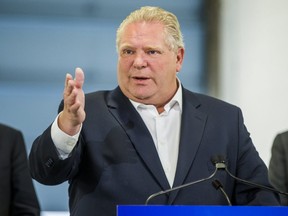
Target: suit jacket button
49, 162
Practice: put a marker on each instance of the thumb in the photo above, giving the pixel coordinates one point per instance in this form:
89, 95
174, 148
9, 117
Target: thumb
79, 77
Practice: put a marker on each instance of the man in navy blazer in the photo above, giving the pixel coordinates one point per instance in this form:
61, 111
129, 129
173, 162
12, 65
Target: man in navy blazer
147, 135
17, 193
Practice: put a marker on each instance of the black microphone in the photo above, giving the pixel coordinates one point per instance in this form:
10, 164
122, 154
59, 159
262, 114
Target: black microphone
220, 163
180, 186
218, 186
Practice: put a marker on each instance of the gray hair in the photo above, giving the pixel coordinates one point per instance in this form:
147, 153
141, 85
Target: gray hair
174, 37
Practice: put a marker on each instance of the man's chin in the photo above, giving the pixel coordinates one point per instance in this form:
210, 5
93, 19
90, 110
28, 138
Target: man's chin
141, 98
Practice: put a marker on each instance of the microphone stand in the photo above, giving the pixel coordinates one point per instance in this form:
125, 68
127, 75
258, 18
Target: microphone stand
218, 186
221, 164
180, 186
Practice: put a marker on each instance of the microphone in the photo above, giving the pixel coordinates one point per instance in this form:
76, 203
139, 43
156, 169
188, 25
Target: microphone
220, 163
180, 186
218, 186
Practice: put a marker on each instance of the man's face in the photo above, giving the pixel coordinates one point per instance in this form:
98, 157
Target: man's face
146, 67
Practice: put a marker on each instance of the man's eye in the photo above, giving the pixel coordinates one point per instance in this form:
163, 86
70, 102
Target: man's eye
153, 52
127, 52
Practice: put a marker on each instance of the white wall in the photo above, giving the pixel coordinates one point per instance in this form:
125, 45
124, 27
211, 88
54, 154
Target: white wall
254, 66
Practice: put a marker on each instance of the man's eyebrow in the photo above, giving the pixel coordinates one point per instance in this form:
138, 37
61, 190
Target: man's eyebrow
153, 48
125, 46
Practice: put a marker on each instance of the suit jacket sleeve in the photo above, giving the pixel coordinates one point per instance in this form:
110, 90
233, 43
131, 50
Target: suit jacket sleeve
46, 166
278, 167
251, 167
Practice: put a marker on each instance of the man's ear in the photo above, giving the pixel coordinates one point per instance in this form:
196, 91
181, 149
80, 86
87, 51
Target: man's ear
179, 59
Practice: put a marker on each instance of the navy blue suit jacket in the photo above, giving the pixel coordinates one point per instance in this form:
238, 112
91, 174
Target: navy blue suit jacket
115, 161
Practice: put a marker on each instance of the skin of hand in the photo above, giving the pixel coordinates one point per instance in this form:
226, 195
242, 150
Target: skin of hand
73, 114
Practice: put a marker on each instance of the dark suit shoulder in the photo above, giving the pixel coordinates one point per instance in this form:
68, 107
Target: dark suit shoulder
5, 129
111, 98
93, 96
281, 139
96, 100
208, 103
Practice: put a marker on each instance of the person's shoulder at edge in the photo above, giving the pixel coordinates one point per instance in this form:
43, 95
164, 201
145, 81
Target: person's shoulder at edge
7, 128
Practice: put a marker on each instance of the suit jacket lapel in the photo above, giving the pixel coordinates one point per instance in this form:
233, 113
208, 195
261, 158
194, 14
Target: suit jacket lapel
192, 128
122, 109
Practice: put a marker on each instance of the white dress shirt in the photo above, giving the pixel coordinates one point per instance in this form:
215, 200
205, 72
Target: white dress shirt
165, 131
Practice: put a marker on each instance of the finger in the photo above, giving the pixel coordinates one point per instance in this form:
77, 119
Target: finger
79, 77
68, 88
68, 77
74, 108
70, 98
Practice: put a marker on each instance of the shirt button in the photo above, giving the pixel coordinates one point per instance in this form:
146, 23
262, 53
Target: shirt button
70, 143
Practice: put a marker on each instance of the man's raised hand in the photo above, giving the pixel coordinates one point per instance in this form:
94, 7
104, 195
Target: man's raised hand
73, 114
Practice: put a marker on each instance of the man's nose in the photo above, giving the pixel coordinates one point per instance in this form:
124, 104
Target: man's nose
140, 61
